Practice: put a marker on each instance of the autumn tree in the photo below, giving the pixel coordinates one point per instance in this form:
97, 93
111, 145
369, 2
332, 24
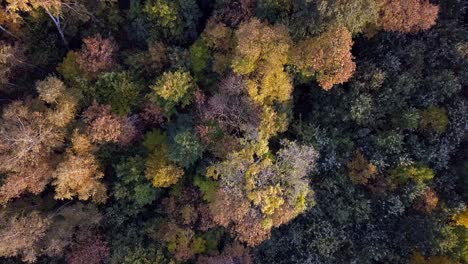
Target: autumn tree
232, 13
66, 223
19, 235
262, 194
11, 57
232, 253
89, 249
327, 56
417, 173
11, 14
360, 170
173, 89
461, 219
186, 219
408, 16
232, 108
96, 55
161, 171
29, 136
79, 173
105, 126
260, 54
427, 201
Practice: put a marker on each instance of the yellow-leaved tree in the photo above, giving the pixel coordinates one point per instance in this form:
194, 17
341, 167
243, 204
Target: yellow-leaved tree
79, 173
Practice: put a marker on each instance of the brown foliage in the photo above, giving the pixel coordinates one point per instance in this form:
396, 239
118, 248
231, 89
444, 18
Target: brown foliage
105, 126
328, 55
11, 56
66, 223
97, 55
152, 114
27, 141
90, 249
157, 55
408, 15
25, 135
234, 12
217, 35
232, 254
19, 235
30, 178
232, 108
379, 184
245, 222
427, 201
360, 170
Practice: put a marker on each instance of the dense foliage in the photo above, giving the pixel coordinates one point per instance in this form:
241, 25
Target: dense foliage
233, 131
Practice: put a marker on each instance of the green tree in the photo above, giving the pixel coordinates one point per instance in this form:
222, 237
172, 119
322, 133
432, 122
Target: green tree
118, 90
132, 185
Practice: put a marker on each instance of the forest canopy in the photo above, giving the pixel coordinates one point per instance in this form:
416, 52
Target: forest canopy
233, 131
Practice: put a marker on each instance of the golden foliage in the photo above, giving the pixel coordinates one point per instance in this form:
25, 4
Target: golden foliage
261, 52
417, 258
10, 15
161, 171
462, 218
79, 174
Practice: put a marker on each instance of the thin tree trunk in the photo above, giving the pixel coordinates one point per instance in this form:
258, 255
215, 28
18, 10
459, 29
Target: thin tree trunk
7, 31
56, 21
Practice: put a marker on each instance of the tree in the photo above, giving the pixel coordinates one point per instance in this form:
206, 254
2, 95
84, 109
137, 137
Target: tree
185, 148
19, 234
28, 139
262, 194
118, 90
66, 223
174, 21
11, 17
161, 171
79, 174
462, 218
172, 89
132, 186
435, 119
360, 170
89, 249
408, 16
355, 15
260, 54
232, 13
419, 174
328, 56
427, 201
104, 126
232, 108
11, 57
96, 56
232, 253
